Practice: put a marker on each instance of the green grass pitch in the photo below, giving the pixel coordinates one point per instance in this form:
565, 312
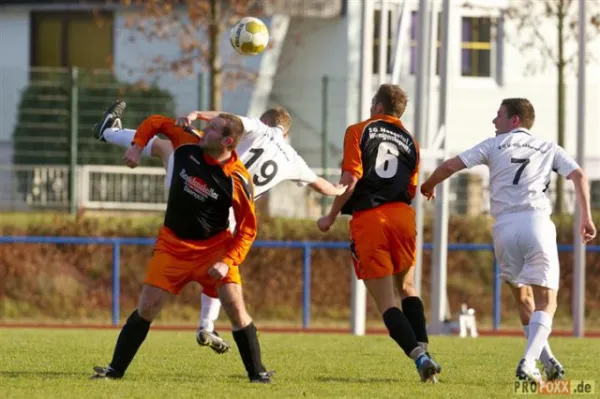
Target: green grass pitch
44, 363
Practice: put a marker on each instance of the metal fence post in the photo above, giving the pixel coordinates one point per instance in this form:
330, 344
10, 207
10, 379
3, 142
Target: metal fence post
306, 286
497, 297
116, 280
74, 139
201, 89
324, 138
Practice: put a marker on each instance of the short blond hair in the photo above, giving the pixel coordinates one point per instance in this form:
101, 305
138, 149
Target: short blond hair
277, 116
392, 98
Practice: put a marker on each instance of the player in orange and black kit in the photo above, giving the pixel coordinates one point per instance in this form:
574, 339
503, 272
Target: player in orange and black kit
380, 167
195, 243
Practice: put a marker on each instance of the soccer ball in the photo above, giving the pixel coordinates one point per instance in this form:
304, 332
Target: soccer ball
250, 36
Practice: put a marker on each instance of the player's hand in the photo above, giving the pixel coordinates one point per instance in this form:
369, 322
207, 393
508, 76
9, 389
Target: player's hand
324, 223
427, 191
218, 271
132, 156
340, 189
186, 120
588, 230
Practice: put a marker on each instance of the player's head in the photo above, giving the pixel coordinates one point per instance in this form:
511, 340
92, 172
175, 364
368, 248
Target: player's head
223, 132
514, 113
277, 116
389, 100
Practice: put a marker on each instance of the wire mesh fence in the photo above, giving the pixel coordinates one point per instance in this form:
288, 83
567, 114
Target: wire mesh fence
47, 116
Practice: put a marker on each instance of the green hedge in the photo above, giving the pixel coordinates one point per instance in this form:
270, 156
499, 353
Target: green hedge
72, 282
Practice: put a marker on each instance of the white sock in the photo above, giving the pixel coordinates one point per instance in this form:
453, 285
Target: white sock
540, 326
209, 312
124, 137
546, 354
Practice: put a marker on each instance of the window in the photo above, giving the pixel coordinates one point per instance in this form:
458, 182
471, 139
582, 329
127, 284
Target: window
476, 47
414, 29
66, 39
377, 44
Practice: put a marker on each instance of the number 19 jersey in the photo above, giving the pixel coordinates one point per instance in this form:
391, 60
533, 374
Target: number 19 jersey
385, 158
269, 158
520, 166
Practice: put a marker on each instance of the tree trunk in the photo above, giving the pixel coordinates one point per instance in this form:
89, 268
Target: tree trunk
559, 203
215, 55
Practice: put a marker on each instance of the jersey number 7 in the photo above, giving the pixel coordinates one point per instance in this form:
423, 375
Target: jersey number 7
524, 162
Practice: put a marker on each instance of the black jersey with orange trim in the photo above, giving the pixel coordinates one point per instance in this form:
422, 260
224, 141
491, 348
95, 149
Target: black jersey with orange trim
384, 157
200, 195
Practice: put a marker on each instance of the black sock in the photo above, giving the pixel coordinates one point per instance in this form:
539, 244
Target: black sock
249, 347
415, 313
401, 332
130, 339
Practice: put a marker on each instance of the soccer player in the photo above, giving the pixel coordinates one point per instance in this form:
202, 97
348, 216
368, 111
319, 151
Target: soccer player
264, 151
380, 167
195, 244
524, 235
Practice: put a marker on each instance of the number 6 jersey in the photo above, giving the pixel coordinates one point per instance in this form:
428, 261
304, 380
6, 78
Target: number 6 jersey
520, 167
385, 158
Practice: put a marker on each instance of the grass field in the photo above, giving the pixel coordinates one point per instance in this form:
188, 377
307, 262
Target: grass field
42, 363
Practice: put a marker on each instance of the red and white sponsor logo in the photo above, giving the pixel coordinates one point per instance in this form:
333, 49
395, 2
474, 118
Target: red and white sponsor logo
198, 186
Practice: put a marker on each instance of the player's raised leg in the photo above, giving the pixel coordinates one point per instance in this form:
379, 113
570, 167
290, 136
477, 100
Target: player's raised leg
110, 130
524, 297
133, 332
244, 332
206, 334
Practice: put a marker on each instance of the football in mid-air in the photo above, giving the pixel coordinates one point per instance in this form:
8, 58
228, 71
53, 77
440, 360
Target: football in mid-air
250, 36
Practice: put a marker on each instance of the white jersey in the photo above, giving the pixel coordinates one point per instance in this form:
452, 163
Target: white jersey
268, 157
520, 167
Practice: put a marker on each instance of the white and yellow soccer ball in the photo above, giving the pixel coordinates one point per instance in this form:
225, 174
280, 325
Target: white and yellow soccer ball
250, 36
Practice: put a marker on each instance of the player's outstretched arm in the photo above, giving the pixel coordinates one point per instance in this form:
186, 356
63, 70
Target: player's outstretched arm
149, 128
324, 187
582, 192
349, 180
442, 172
194, 115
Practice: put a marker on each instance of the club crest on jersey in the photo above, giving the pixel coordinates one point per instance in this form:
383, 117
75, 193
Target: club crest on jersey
197, 187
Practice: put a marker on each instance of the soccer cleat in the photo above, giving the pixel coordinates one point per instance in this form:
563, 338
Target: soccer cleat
212, 340
438, 368
262, 378
111, 118
554, 370
105, 373
428, 369
527, 373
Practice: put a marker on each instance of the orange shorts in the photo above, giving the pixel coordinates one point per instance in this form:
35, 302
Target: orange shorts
176, 262
383, 240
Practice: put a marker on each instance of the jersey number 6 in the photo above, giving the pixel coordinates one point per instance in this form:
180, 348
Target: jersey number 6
386, 163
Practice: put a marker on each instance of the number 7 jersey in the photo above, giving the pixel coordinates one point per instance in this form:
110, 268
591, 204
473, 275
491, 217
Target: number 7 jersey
520, 166
385, 158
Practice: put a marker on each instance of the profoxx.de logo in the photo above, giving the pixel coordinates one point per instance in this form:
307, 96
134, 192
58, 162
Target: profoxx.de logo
558, 387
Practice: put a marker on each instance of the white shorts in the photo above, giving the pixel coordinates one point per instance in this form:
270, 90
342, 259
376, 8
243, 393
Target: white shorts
526, 251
